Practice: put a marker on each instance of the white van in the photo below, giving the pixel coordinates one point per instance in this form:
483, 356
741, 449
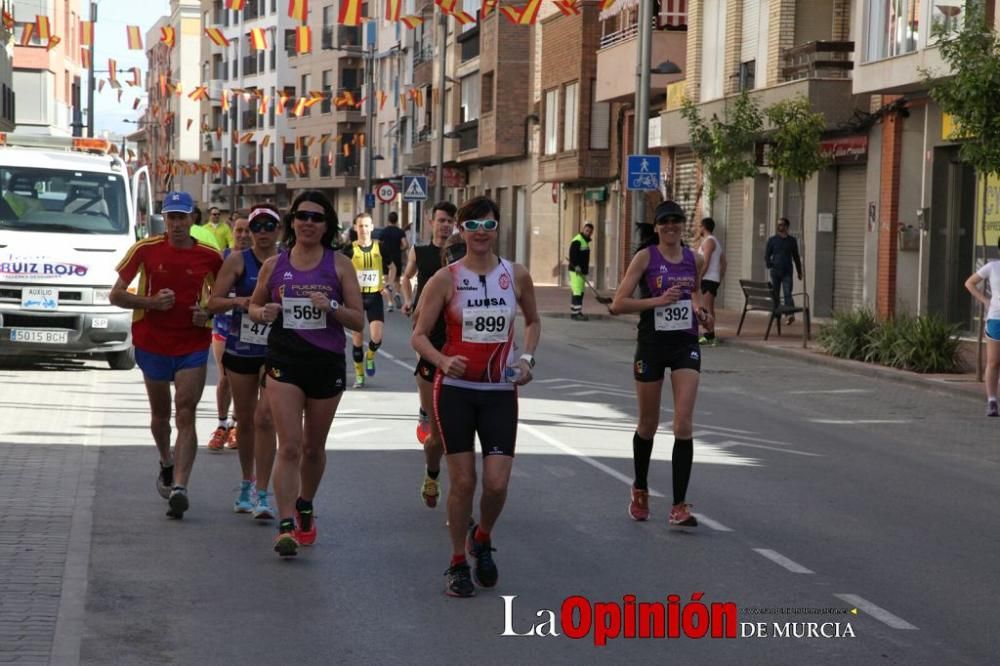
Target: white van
68, 213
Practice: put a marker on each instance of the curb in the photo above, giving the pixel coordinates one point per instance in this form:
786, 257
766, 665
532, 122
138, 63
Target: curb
864, 369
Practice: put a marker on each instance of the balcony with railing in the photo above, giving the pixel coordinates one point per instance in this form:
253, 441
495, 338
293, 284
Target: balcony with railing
346, 104
348, 35
468, 135
421, 155
820, 59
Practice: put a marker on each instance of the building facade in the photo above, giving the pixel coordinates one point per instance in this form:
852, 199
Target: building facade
46, 81
7, 95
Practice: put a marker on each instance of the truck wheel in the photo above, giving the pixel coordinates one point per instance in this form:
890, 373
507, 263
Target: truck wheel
122, 360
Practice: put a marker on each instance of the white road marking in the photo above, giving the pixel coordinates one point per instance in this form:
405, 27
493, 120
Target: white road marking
828, 391
877, 612
337, 434
783, 561
398, 362
552, 441
712, 524
592, 392
859, 421
730, 442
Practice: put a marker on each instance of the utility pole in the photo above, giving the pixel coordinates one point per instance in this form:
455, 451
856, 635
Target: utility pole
642, 71
442, 79
234, 113
370, 95
90, 72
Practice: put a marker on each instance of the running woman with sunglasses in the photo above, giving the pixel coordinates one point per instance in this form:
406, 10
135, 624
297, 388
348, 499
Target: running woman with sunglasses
475, 391
423, 261
243, 359
366, 256
308, 295
669, 311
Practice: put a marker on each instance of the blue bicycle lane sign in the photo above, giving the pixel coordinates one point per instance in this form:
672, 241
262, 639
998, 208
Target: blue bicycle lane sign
643, 172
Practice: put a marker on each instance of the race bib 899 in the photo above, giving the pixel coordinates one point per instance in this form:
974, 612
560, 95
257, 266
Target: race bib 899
486, 324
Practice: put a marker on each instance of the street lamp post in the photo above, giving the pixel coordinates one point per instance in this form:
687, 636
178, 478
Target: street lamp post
370, 103
90, 71
442, 78
642, 72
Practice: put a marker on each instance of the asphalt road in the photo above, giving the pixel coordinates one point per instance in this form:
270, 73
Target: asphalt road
817, 490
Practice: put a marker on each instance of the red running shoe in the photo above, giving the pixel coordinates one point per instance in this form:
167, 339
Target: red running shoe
305, 527
638, 508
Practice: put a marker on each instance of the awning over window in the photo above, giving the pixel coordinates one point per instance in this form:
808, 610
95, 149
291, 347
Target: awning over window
617, 8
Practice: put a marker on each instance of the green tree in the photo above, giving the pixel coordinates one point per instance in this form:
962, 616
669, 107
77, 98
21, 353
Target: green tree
724, 149
969, 93
795, 153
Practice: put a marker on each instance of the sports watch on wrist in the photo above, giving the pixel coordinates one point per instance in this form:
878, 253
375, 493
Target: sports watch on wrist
529, 359
334, 305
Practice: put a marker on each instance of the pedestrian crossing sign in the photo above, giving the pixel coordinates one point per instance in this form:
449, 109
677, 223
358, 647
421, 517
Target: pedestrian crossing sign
414, 188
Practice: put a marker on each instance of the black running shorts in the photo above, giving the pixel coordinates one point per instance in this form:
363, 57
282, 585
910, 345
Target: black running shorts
652, 361
318, 379
710, 287
426, 370
389, 260
463, 413
373, 306
242, 365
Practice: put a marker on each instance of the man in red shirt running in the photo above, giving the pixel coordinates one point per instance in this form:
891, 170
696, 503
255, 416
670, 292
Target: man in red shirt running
171, 334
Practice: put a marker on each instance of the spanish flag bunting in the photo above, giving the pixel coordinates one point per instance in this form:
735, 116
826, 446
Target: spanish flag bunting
216, 36
218, 134
463, 17
163, 85
402, 99
411, 22
360, 140
299, 9
112, 71
568, 7
85, 58
167, 36
323, 139
310, 140
298, 144
8, 20
393, 9
130, 153
257, 39
315, 162
489, 6
26, 33
53, 42
529, 13
245, 173
178, 89
349, 98
347, 150
120, 91
280, 107
42, 27
246, 138
350, 12
100, 86
199, 93
262, 109
86, 33
605, 4
266, 141
303, 39
447, 6
134, 37
381, 97
235, 4
136, 77
135, 104
275, 172
189, 123
511, 14
229, 171
300, 107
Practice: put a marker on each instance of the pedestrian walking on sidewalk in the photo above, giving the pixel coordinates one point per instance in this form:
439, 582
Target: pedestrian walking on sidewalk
579, 266
712, 272
475, 391
171, 332
309, 295
990, 274
780, 254
670, 309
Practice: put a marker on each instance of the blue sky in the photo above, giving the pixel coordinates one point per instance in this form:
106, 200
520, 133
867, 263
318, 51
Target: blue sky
111, 42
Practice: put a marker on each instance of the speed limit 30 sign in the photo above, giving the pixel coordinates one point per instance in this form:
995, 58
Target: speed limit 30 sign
386, 192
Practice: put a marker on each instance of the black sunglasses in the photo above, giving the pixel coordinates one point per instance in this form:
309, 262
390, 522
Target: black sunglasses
310, 216
257, 227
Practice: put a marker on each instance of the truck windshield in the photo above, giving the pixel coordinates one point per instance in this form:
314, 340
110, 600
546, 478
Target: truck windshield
61, 201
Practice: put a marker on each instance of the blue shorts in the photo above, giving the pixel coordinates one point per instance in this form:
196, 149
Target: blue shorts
993, 329
163, 368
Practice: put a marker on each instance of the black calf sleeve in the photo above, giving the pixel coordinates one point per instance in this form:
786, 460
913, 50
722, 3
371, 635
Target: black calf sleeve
682, 458
642, 451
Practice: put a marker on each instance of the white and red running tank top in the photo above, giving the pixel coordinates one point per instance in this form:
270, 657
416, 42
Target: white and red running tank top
479, 325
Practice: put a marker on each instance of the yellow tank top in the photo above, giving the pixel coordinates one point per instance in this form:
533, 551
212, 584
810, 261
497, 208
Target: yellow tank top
368, 264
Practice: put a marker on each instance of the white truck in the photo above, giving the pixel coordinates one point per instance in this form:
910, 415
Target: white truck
68, 213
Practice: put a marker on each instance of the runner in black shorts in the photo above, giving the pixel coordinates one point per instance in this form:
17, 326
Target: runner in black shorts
475, 391
670, 309
308, 295
366, 255
394, 245
423, 261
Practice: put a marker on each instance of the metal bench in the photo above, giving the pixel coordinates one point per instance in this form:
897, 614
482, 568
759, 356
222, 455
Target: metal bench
761, 297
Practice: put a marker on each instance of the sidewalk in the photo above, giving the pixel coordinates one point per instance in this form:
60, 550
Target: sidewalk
554, 302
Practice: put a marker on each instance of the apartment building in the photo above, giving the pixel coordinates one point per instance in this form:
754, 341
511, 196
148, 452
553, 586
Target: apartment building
7, 97
778, 50
921, 197
46, 81
171, 120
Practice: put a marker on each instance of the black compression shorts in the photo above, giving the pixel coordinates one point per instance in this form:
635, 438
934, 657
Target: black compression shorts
652, 361
242, 365
710, 287
373, 306
426, 370
318, 379
463, 413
